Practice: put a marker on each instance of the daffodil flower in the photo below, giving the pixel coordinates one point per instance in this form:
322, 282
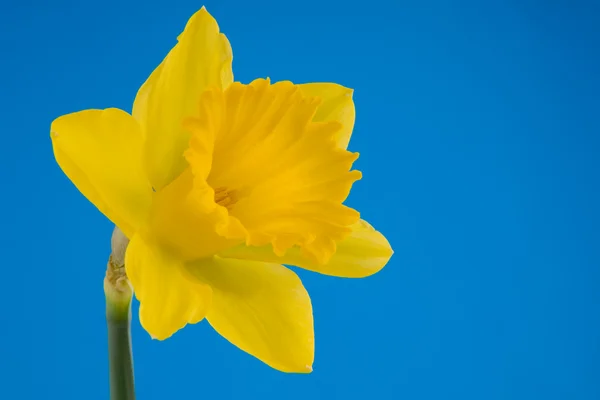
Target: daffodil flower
217, 184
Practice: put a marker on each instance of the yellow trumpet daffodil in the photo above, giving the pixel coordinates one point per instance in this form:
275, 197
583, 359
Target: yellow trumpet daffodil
217, 184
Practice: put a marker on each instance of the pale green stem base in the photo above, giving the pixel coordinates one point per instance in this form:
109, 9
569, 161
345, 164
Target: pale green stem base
118, 295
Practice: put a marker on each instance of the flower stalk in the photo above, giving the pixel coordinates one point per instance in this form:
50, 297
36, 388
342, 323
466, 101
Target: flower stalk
118, 293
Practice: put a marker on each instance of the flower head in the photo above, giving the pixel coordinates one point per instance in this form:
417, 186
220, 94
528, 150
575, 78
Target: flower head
217, 184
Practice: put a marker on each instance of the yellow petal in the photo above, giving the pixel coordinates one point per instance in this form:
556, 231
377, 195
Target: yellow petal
261, 308
101, 152
277, 175
337, 106
361, 254
201, 59
169, 297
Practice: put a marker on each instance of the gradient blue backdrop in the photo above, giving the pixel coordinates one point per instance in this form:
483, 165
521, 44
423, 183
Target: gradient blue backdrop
478, 124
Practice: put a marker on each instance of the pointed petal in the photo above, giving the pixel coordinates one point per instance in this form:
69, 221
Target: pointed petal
361, 254
100, 151
200, 60
169, 299
337, 106
261, 308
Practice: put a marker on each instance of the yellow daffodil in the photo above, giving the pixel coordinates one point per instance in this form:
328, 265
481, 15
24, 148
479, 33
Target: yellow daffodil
217, 184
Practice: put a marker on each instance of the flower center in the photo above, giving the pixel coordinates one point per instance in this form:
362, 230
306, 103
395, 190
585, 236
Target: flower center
226, 198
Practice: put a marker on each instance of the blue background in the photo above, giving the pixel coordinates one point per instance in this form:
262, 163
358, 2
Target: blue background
478, 125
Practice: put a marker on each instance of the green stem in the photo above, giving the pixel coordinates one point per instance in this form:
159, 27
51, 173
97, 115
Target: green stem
118, 295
